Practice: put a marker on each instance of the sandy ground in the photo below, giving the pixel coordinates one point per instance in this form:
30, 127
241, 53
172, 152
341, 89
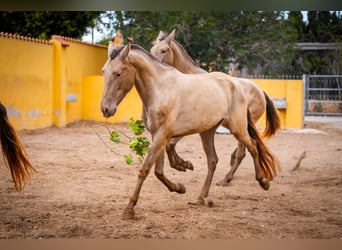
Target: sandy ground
83, 185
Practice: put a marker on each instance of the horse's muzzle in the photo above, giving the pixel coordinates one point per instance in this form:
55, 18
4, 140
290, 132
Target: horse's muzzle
107, 111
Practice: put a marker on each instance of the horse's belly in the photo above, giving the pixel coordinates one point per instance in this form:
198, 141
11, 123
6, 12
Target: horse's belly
197, 122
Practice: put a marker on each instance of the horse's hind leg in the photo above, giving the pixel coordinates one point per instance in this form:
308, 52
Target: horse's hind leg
252, 148
264, 182
237, 128
240, 152
175, 160
207, 138
158, 171
236, 158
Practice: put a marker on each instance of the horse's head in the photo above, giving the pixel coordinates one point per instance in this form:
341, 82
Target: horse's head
162, 47
119, 78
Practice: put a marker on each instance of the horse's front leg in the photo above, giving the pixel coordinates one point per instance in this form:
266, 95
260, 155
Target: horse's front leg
158, 146
207, 138
175, 160
159, 172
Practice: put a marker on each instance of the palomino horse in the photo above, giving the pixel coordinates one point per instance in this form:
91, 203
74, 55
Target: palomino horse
168, 50
175, 161
170, 99
13, 151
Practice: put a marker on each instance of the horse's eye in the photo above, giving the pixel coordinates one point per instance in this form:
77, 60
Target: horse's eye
163, 51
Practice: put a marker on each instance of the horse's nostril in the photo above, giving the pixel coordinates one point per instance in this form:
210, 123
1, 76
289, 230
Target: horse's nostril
104, 110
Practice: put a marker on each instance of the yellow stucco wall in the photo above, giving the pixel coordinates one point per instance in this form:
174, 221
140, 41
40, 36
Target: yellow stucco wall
81, 60
26, 81
77, 60
92, 89
37, 77
290, 90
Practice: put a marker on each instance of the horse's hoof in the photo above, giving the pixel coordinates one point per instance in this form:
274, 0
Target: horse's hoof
180, 188
223, 183
128, 214
188, 165
264, 183
179, 167
183, 166
198, 202
210, 203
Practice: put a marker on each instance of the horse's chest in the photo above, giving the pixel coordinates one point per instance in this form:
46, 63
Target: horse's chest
157, 116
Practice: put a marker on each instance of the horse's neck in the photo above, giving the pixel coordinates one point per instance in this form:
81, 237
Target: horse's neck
183, 62
147, 71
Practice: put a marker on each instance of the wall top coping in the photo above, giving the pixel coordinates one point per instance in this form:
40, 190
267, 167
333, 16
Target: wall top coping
64, 40
24, 38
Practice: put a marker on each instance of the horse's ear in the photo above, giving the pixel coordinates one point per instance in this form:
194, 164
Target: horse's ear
169, 38
111, 46
115, 42
173, 33
125, 51
160, 35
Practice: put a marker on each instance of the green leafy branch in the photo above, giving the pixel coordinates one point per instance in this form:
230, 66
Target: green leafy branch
140, 145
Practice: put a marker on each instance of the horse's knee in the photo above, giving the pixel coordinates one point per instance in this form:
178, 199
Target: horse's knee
143, 173
212, 163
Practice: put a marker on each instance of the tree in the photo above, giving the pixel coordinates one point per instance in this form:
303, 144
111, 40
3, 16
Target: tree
216, 39
258, 41
44, 24
322, 27
297, 22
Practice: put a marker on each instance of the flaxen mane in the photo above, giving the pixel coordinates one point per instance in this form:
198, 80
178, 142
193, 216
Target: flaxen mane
138, 47
116, 52
181, 48
185, 53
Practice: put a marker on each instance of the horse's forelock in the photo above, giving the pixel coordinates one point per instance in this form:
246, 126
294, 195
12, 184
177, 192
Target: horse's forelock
162, 38
116, 52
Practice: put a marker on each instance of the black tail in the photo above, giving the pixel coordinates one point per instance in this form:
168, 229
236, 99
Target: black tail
272, 118
14, 152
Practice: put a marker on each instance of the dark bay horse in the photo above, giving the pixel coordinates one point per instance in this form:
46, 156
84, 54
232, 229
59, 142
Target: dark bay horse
13, 151
168, 50
179, 104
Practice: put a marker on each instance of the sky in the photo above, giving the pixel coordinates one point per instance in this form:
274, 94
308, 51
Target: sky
98, 36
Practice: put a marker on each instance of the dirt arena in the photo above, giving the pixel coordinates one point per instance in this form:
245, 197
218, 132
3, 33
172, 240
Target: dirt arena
82, 187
